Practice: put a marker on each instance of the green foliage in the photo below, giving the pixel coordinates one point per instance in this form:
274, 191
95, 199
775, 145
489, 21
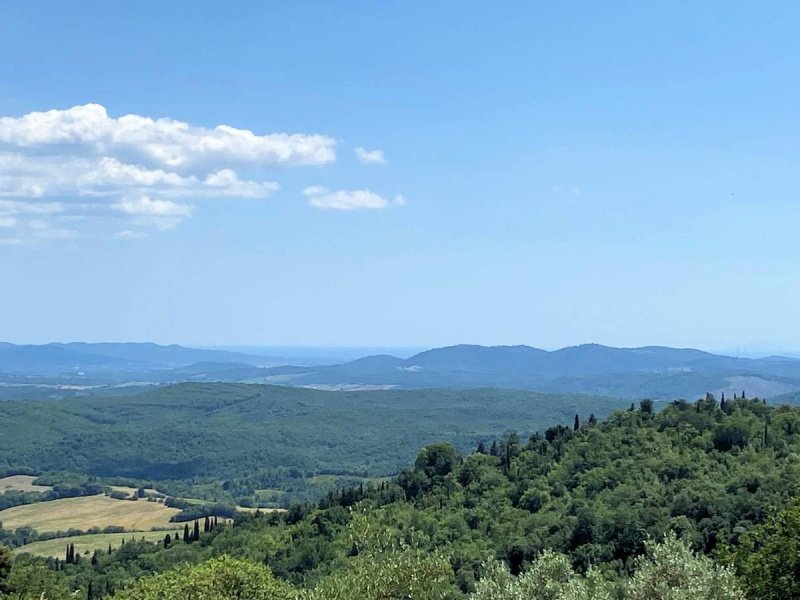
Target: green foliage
550, 577
222, 578
6, 563
572, 512
767, 557
264, 445
35, 581
405, 574
671, 571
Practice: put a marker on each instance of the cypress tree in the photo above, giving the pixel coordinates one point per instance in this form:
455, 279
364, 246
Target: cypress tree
481, 447
186, 533
109, 548
577, 424
592, 419
206, 525
89, 592
743, 396
196, 531
215, 518
94, 558
167, 540
766, 434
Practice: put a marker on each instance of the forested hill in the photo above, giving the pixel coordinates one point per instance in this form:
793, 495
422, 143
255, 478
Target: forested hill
256, 437
648, 372
595, 492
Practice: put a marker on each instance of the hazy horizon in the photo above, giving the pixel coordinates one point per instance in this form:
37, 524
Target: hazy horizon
345, 352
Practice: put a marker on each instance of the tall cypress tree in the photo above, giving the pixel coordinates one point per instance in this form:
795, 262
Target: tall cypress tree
577, 424
196, 531
186, 533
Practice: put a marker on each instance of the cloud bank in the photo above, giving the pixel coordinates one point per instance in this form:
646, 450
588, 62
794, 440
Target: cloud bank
62, 167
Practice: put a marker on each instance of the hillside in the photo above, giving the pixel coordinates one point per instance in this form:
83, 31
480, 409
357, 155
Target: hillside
652, 372
55, 358
60, 371
285, 439
597, 494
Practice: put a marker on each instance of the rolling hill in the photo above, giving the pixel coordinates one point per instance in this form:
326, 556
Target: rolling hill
215, 431
656, 372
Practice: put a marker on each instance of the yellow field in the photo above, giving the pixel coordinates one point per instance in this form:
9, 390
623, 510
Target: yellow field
87, 512
22, 483
90, 543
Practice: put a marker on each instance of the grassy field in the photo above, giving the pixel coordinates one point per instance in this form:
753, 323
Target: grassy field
90, 543
22, 483
87, 512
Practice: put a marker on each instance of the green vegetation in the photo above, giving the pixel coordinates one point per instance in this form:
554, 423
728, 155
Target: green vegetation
223, 442
690, 502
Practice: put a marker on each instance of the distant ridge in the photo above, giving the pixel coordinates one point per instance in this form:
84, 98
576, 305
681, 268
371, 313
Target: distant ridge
58, 357
656, 372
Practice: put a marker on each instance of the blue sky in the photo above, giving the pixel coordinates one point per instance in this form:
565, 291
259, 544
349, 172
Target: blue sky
553, 173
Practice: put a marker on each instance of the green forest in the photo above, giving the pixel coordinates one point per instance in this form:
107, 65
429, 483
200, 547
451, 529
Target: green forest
262, 445
697, 500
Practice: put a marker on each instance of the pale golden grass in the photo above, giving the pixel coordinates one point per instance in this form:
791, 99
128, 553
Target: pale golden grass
90, 543
87, 512
22, 483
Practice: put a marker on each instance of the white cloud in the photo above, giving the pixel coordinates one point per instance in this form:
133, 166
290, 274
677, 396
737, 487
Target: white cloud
321, 197
315, 190
370, 156
17, 207
164, 214
128, 234
81, 162
89, 131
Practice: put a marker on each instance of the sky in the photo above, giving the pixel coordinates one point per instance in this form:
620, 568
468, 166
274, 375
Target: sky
400, 173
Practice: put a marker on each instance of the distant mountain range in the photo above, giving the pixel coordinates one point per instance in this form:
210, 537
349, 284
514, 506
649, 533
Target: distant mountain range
652, 371
75, 356
656, 372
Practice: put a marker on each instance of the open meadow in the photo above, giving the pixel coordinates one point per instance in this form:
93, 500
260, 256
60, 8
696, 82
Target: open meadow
89, 543
21, 483
86, 512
